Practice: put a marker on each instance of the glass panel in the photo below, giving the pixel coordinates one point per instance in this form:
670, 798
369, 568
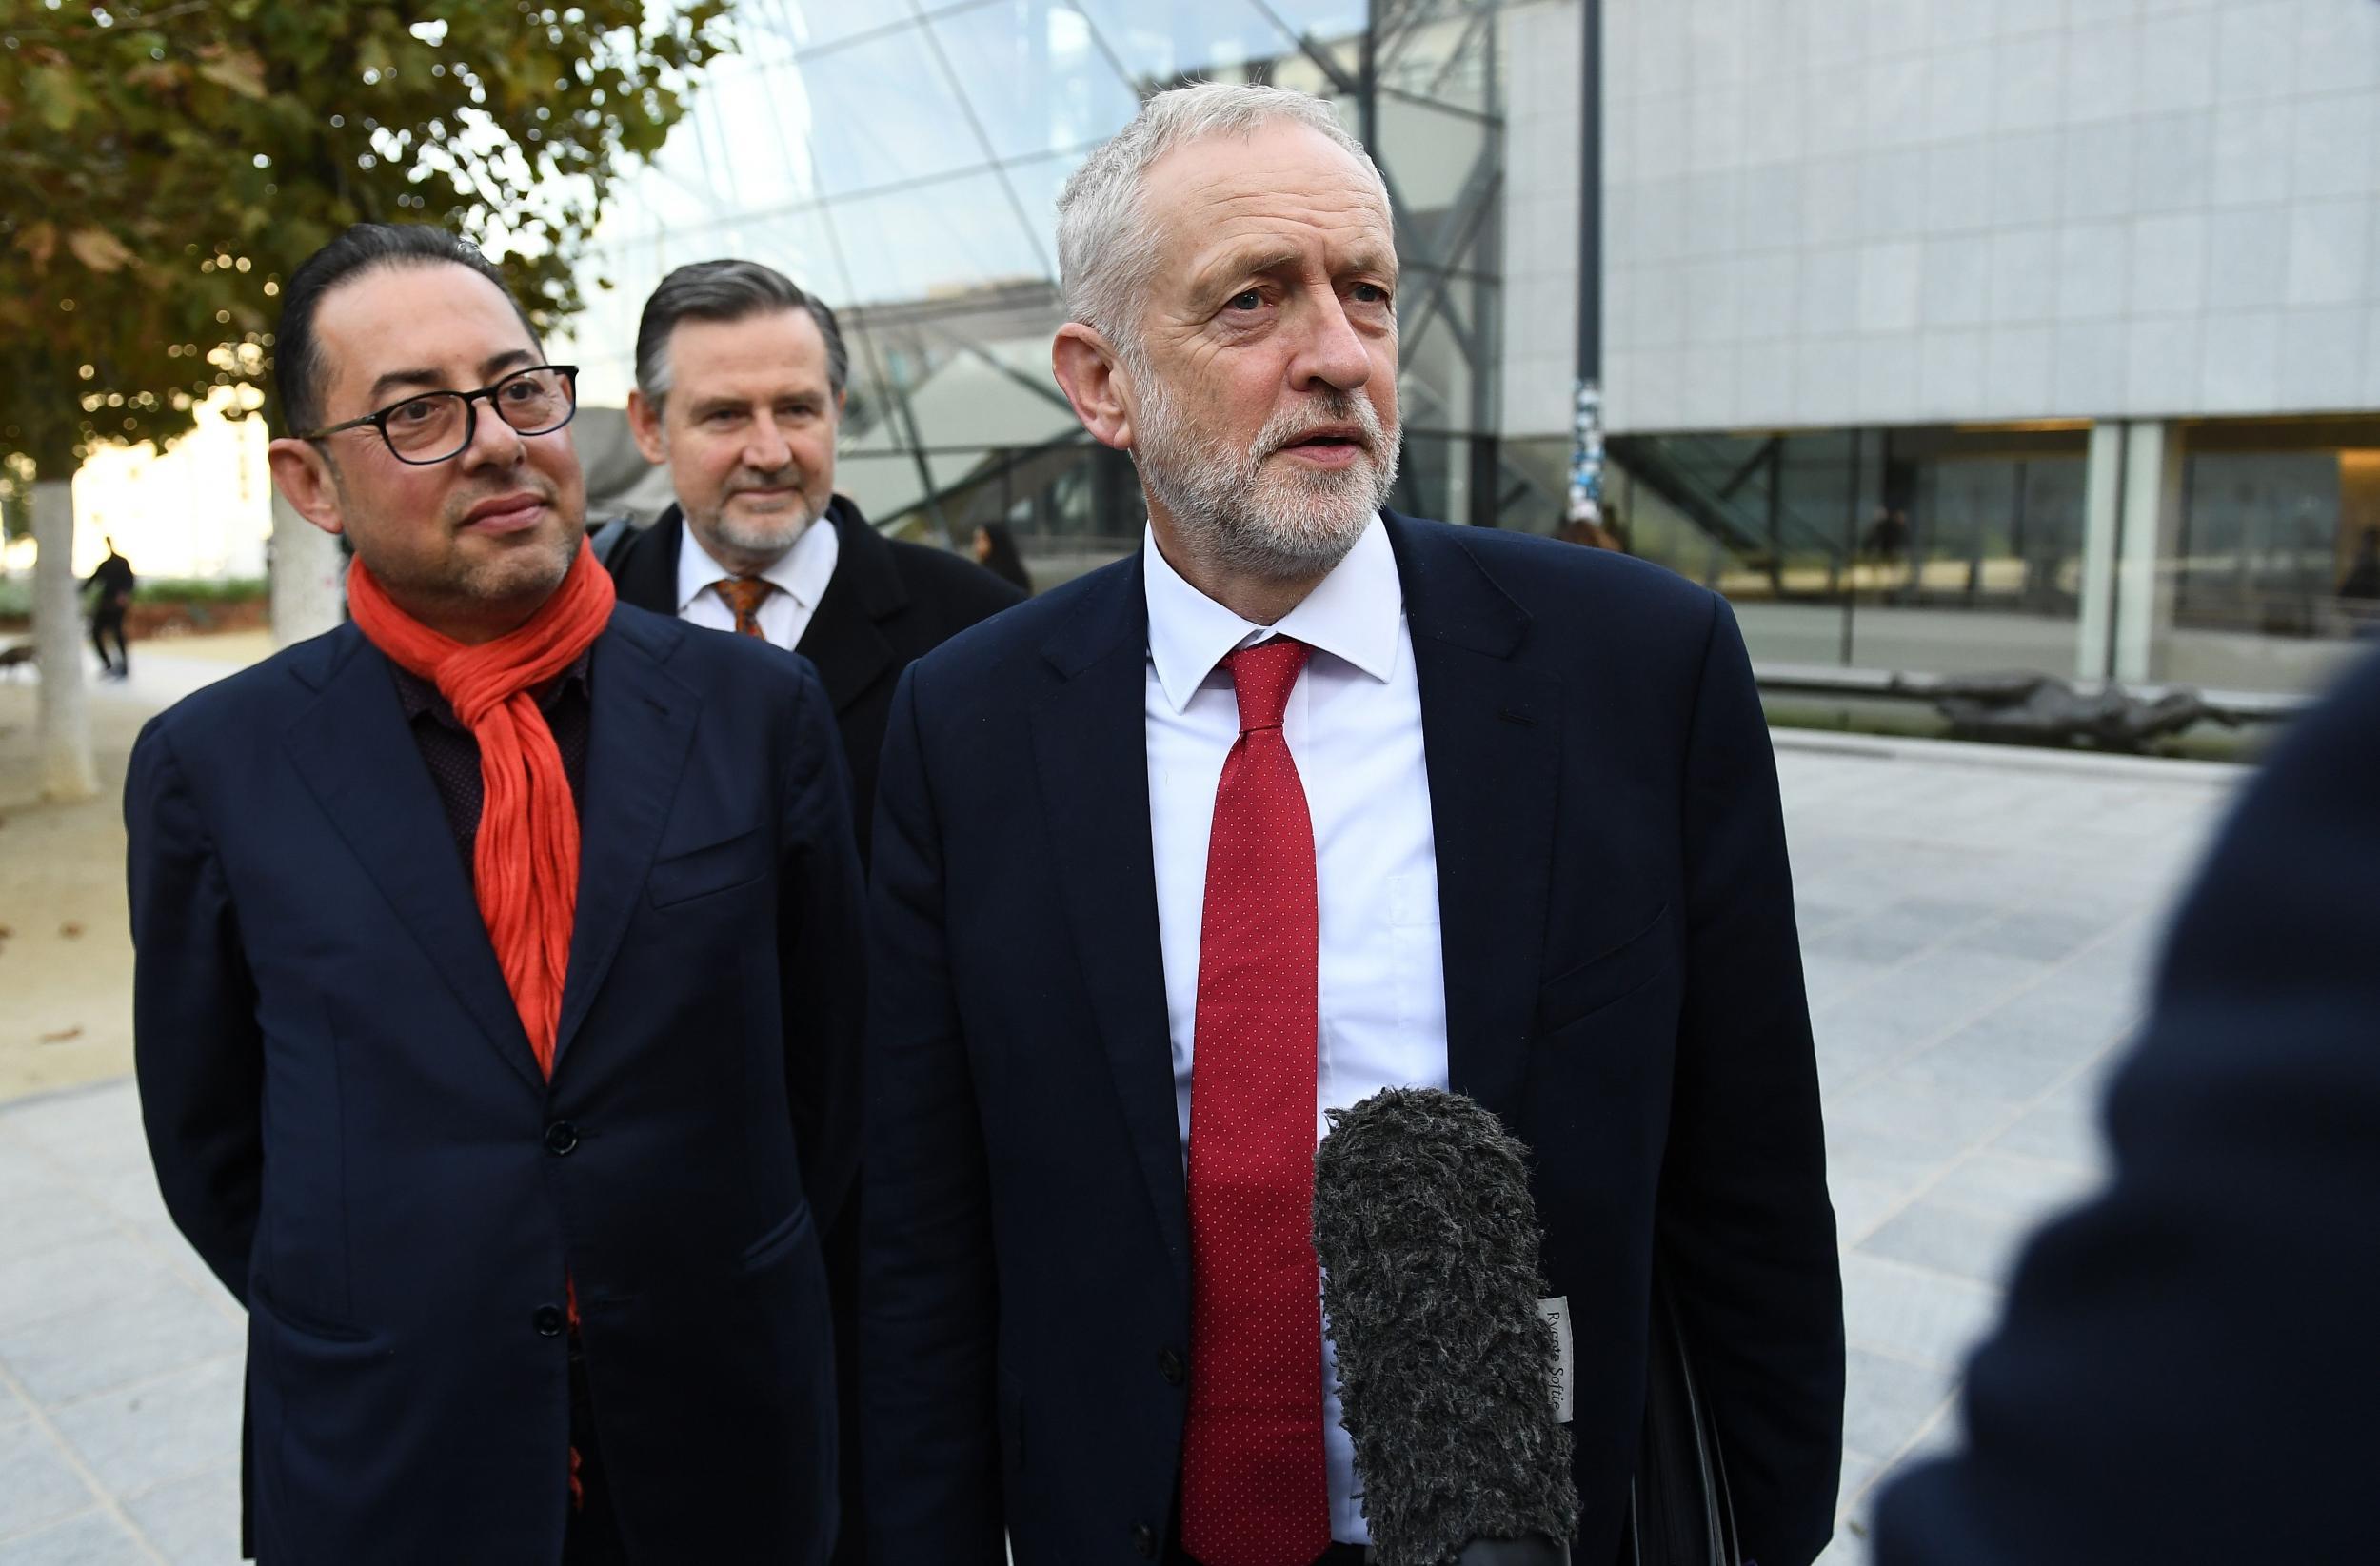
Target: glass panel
1426, 476
820, 22
911, 245
1035, 77
750, 145
1432, 157
2276, 570
1449, 60
992, 394
1159, 42
1038, 182
1321, 19
884, 486
1846, 547
1436, 381
856, 144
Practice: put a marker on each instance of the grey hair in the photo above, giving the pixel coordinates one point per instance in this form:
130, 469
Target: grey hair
1106, 253
726, 290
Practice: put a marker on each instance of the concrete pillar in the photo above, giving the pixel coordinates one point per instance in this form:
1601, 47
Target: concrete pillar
2151, 539
63, 710
309, 577
2132, 530
2103, 501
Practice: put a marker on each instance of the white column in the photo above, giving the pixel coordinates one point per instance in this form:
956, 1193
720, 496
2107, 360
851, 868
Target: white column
2103, 490
63, 726
2150, 537
309, 581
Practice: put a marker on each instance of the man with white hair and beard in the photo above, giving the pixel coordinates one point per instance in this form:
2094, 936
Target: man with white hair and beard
1305, 800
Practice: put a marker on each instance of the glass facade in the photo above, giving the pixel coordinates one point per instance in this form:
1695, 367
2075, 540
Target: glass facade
1932, 549
2272, 568
903, 162
902, 158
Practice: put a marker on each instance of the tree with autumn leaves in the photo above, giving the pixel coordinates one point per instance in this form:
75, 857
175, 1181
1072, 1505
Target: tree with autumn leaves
163, 164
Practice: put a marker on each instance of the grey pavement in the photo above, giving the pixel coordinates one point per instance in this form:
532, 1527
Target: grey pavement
1977, 924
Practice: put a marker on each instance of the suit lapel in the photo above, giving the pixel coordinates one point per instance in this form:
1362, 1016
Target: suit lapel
843, 638
1489, 731
358, 758
1091, 751
640, 730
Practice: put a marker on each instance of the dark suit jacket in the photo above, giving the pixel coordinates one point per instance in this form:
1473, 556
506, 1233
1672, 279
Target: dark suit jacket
2186, 1370
1623, 987
887, 603
348, 1124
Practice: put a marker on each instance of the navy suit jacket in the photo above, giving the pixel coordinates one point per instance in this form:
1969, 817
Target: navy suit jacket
1623, 988
348, 1124
887, 602
2186, 1370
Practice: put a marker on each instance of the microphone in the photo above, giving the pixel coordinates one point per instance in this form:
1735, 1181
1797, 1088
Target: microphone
1428, 1241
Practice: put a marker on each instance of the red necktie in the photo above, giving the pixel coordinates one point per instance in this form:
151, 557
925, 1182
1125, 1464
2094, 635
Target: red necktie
1253, 1491
745, 595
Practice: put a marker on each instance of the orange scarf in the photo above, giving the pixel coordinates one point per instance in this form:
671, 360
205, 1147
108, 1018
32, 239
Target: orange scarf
525, 859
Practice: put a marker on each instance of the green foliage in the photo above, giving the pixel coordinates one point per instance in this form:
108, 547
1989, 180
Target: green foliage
16, 497
163, 163
200, 589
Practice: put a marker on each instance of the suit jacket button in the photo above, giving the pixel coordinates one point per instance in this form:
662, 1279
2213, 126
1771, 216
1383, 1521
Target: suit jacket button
1170, 1366
1144, 1540
549, 1321
562, 1137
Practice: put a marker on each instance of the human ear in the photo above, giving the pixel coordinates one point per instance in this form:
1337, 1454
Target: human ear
1087, 371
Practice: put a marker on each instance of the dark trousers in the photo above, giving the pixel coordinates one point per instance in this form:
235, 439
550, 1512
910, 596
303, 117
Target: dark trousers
105, 623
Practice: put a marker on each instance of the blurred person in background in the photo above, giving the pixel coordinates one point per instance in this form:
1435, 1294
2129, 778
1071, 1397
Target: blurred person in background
497, 993
111, 587
2185, 1371
996, 551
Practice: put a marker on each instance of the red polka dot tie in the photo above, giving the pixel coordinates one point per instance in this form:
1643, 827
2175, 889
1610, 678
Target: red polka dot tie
1253, 1491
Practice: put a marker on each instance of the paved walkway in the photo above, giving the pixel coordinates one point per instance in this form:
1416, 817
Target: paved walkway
1977, 924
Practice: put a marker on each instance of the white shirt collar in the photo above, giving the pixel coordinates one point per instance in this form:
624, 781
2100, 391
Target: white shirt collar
800, 573
1354, 613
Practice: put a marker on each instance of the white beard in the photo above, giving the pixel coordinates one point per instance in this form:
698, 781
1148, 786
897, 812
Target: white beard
1279, 525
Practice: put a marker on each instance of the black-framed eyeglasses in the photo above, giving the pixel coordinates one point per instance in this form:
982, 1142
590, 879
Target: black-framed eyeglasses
435, 427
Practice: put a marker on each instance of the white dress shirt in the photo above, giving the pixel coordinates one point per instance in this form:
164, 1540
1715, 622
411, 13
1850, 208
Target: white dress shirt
1354, 728
799, 575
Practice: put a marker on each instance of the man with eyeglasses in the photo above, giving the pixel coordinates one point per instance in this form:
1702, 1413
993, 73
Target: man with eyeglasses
497, 995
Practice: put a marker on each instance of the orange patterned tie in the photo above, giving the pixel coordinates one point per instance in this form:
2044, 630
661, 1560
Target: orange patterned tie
746, 594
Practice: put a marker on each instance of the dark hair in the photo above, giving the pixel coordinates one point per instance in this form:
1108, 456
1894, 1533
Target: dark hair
1002, 560
297, 367
726, 290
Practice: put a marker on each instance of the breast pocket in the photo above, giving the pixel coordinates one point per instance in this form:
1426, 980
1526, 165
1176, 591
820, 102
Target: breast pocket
718, 867
1577, 993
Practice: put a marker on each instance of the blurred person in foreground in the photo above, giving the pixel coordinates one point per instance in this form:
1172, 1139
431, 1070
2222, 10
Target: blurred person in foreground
2186, 1367
1302, 799
497, 1001
740, 392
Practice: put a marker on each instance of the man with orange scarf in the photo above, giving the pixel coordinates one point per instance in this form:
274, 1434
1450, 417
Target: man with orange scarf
498, 994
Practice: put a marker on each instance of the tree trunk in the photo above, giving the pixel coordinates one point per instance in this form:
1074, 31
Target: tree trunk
67, 773
309, 581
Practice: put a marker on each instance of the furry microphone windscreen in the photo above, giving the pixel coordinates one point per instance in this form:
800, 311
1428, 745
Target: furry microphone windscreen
1428, 1241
